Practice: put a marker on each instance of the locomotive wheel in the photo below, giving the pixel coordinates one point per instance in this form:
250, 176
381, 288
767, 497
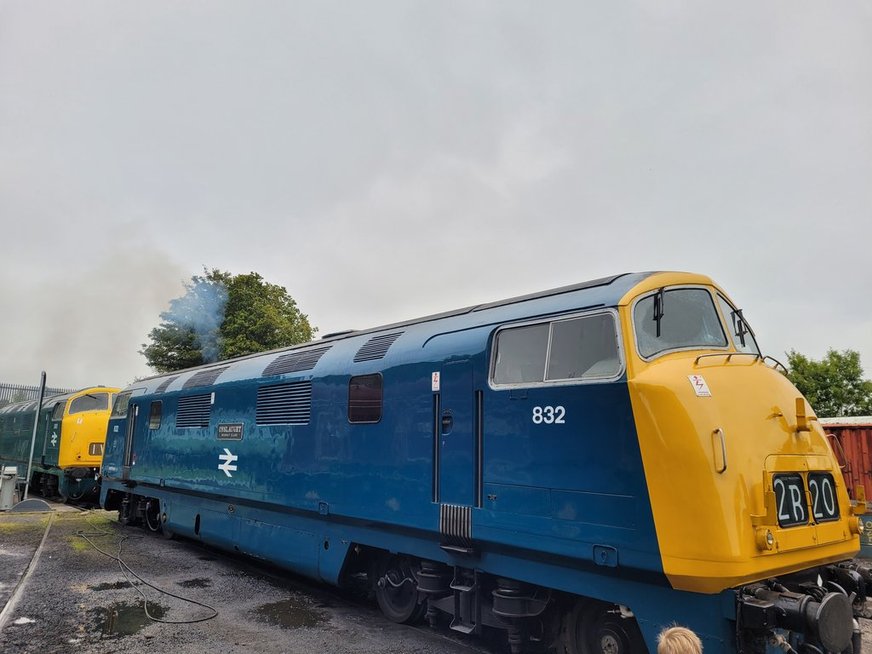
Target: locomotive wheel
154, 520
152, 515
396, 590
596, 628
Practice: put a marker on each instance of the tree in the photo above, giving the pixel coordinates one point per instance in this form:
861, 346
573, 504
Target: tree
260, 316
222, 316
834, 386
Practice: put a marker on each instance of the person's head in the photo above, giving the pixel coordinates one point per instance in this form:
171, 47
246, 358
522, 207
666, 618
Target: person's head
678, 640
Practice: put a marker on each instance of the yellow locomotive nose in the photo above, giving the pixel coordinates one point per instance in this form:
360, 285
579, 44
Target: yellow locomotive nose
733, 473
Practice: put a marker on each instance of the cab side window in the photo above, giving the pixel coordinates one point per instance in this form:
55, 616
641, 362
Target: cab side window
521, 354
154, 415
58, 411
583, 348
119, 408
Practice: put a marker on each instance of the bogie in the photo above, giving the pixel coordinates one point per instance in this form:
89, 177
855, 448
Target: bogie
590, 627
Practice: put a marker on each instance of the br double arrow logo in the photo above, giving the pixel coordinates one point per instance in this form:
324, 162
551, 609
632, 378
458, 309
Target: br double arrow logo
227, 460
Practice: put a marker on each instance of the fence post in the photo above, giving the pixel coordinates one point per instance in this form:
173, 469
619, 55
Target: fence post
35, 429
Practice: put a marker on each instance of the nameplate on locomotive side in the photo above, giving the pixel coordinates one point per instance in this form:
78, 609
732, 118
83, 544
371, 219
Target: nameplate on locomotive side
231, 431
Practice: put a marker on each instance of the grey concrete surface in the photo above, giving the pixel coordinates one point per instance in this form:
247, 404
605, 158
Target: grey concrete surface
78, 600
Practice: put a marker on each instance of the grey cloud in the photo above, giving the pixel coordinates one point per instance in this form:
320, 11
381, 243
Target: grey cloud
388, 159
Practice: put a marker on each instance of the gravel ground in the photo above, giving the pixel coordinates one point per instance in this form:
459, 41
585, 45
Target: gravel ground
77, 600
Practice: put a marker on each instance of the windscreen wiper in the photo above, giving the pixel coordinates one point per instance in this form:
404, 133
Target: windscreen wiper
741, 327
658, 309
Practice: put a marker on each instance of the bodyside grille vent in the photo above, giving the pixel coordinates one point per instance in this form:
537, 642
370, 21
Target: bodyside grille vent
204, 377
194, 411
294, 362
284, 404
455, 523
166, 382
376, 347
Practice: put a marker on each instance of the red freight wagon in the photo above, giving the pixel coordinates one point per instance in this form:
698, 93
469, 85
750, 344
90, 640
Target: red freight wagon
855, 437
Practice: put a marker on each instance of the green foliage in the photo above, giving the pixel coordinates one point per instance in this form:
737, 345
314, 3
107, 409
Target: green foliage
222, 316
260, 316
173, 347
834, 386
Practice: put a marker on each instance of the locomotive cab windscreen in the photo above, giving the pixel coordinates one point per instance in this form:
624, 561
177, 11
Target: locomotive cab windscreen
686, 318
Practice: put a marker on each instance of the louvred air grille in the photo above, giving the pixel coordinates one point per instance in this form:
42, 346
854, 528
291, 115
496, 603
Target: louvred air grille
166, 382
294, 362
376, 347
204, 377
194, 411
284, 404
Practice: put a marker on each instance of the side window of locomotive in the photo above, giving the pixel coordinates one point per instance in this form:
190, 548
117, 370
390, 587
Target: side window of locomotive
680, 318
743, 337
119, 407
154, 415
58, 411
520, 354
365, 398
584, 348
90, 402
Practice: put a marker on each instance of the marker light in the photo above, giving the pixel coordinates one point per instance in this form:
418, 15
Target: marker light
765, 539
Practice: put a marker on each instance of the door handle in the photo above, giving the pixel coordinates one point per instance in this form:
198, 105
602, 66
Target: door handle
718, 439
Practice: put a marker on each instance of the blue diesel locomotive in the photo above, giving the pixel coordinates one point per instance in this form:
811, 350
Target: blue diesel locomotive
578, 467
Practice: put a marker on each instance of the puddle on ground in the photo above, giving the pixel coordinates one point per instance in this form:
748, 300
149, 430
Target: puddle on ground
113, 586
290, 614
206, 558
199, 582
124, 619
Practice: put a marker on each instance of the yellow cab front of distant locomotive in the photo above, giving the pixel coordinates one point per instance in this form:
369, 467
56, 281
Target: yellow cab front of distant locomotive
742, 481
83, 428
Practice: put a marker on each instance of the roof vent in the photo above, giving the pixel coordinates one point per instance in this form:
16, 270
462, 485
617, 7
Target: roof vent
376, 347
204, 377
294, 362
166, 382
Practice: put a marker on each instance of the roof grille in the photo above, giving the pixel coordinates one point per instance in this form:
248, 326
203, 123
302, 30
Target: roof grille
294, 362
194, 411
284, 404
204, 377
166, 382
376, 347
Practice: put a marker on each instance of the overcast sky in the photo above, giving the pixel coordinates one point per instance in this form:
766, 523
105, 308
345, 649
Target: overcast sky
384, 160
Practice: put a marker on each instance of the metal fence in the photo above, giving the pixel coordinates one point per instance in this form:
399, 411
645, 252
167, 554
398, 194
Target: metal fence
10, 393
